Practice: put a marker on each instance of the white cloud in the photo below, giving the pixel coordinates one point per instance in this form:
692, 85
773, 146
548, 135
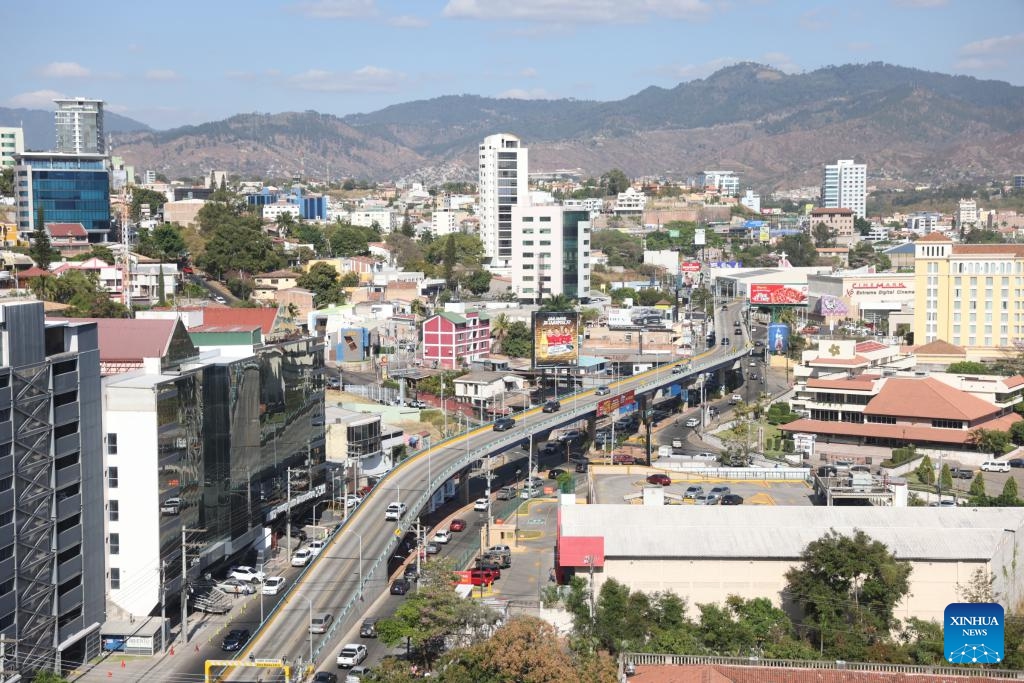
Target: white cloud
528, 72
408, 21
781, 61
577, 11
37, 99
64, 70
688, 72
525, 94
978, 64
997, 45
162, 75
366, 79
337, 9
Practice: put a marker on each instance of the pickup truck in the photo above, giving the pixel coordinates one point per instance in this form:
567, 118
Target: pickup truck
734, 399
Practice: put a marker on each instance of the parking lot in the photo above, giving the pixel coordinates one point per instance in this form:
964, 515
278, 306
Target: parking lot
612, 488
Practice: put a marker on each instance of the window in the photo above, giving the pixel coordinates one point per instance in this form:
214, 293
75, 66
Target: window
115, 544
881, 419
115, 579
114, 510
112, 477
111, 443
948, 424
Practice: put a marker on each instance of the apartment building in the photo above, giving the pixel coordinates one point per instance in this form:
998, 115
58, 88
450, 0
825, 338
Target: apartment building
726, 182
839, 223
552, 254
504, 172
966, 212
455, 337
443, 223
844, 186
79, 124
70, 188
12, 142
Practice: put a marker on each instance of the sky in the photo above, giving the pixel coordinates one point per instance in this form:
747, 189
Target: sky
189, 62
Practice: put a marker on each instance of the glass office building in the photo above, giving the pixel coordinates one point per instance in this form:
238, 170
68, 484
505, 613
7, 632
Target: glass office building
71, 188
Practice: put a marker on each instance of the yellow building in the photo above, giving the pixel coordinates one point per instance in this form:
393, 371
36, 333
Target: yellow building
971, 295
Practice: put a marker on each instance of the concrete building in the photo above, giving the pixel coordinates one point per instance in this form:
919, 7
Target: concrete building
970, 295
487, 391
70, 239
925, 222
845, 187
385, 219
454, 338
552, 254
202, 441
706, 553
353, 436
839, 223
12, 142
966, 212
267, 285
726, 182
443, 223
184, 212
79, 123
751, 200
51, 511
504, 171
872, 297
630, 203
71, 188
273, 212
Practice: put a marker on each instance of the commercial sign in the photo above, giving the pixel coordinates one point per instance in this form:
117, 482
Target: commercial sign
766, 233
778, 338
726, 264
555, 342
778, 295
689, 266
880, 288
973, 633
610, 405
700, 237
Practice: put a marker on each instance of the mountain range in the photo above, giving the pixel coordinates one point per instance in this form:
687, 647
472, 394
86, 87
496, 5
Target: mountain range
775, 129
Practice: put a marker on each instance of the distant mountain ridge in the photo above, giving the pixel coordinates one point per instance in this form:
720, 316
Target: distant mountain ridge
41, 135
775, 129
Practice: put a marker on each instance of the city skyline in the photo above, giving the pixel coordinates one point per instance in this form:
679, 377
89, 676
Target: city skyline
349, 56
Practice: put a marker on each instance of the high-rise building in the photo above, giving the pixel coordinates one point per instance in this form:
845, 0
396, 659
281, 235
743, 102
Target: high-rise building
552, 254
12, 142
726, 182
966, 212
845, 187
80, 126
504, 170
71, 188
51, 508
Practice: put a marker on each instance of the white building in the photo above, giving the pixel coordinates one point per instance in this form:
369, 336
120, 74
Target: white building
273, 212
504, 170
443, 223
751, 200
591, 204
454, 202
79, 123
552, 254
12, 141
877, 233
966, 212
845, 187
630, 202
726, 182
384, 218
924, 222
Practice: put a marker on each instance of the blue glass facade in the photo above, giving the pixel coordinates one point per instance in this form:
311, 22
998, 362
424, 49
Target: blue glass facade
70, 190
313, 208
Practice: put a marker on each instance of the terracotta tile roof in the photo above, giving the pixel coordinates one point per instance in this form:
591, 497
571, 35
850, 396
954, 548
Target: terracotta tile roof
724, 673
1014, 381
939, 347
264, 318
132, 339
869, 346
66, 230
280, 273
909, 433
935, 237
224, 328
857, 384
990, 249
34, 272
925, 397
826, 360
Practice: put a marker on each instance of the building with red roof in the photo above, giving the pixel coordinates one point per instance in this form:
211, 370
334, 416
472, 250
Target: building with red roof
70, 239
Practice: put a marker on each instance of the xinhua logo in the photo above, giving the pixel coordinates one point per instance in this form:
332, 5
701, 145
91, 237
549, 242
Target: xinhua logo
973, 633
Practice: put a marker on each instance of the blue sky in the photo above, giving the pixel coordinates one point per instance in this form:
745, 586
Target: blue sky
187, 62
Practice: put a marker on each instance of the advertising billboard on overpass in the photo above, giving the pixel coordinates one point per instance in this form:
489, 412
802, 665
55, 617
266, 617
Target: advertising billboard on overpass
610, 405
555, 343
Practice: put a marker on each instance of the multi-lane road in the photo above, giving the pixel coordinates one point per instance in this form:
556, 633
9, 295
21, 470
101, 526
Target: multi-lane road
351, 572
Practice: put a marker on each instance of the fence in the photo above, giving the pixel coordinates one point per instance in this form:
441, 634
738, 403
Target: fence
648, 659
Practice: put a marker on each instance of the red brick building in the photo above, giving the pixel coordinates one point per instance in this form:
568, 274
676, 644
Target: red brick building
451, 339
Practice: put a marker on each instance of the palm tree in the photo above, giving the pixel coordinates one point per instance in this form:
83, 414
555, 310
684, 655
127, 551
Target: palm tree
44, 287
499, 330
558, 302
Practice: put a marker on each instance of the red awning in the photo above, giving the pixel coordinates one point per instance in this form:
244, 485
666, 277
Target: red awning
581, 551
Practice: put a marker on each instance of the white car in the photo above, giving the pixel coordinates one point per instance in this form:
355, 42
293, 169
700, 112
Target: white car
481, 504
394, 512
351, 500
273, 585
692, 422
358, 674
247, 574
302, 557
316, 547
442, 536
235, 587
351, 655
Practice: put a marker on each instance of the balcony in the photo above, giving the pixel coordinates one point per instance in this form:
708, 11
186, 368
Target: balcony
69, 537
71, 505
65, 413
66, 445
65, 382
67, 475
68, 569
71, 599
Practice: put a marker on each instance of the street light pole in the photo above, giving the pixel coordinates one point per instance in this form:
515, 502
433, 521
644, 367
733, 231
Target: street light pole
184, 581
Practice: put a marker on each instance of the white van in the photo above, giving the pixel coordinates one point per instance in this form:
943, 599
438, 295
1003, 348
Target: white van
995, 466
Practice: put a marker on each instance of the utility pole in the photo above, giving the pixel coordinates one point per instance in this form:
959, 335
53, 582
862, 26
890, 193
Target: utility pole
419, 544
487, 492
184, 581
163, 605
288, 511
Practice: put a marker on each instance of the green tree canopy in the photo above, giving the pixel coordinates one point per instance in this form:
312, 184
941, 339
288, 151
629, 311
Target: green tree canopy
40, 249
238, 245
142, 195
620, 248
558, 302
100, 251
477, 281
162, 242
7, 181
322, 279
799, 249
518, 341
464, 250
614, 182
349, 240
824, 236
969, 367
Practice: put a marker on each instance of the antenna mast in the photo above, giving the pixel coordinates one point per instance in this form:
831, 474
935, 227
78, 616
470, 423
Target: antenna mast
126, 248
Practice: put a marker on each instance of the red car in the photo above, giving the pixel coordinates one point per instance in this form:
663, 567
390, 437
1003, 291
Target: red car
660, 479
623, 459
457, 525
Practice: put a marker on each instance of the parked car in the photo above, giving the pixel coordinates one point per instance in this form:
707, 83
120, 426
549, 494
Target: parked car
358, 674
734, 399
720, 490
273, 585
692, 422
400, 586
731, 499
235, 587
623, 459
350, 655
171, 506
693, 491
602, 391
301, 557
316, 547
481, 504
995, 466
962, 473
571, 435
503, 424
395, 512
555, 472
442, 536
321, 622
334, 383
551, 407
235, 640
706, 499
1016, 462
500, 549
678, 369
457, 525
369, 628
660, 479
325, 677
246, 574
432, 548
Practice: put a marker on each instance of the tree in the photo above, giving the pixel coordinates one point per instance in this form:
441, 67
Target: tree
98, 251
847, 588
614, 182
861, 225
322, 279
349, 279
142, 195
456, 249
945, 478
238, 245
984, 236
977, 490
621, 249
926, 471
478, 281
163, 242
557, 303
990, 441
499, 330
310, 233
1017, 432
518, 341
349, 240
7, 182
799, 249
824, 236
968, 367
40, 249
1009, 496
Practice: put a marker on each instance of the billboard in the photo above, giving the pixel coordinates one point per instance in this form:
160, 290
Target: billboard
689, 266
766, 233
610, 405
700, 237
726, 264
778, 295
778, 338
555, 342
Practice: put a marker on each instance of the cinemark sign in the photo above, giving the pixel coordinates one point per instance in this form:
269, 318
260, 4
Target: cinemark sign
689, 266
610, 405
